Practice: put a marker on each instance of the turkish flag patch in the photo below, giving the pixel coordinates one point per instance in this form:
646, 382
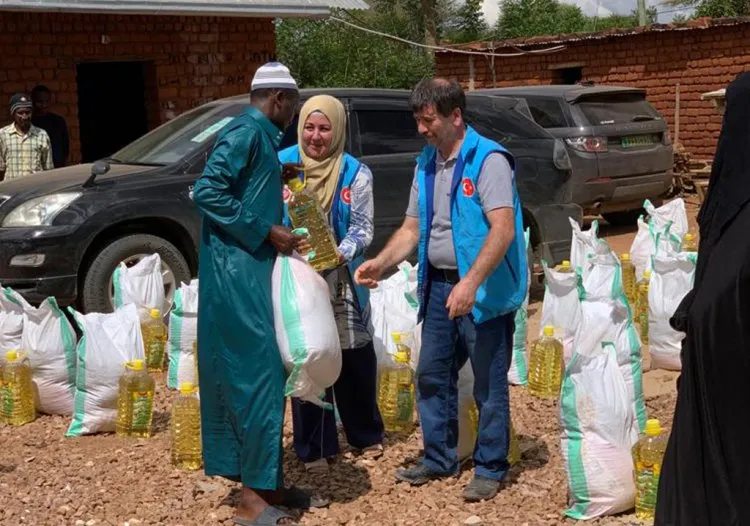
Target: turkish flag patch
286, 194
346, 195
468, 187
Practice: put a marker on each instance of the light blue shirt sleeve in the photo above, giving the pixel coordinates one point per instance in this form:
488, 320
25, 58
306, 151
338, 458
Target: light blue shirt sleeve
361, 225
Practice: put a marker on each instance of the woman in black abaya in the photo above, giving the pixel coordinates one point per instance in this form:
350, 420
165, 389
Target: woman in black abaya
705, 479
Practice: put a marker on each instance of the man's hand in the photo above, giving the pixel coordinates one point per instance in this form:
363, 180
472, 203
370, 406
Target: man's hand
283, 240
368, 274
461, 299
290, 171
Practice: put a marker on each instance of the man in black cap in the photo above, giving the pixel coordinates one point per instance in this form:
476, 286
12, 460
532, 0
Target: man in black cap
24, 148
52, 123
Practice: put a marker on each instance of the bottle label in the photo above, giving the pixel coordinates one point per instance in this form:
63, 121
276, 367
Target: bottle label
142, 405
404, 404
155, 353
6, 397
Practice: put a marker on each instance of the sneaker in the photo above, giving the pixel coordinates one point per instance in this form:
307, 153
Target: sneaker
481, 488
418, 475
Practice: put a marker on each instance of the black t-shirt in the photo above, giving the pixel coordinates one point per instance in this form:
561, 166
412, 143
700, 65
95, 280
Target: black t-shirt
57, 129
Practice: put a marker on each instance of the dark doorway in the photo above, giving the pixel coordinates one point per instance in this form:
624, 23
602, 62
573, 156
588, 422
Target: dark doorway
568, 75
112, 106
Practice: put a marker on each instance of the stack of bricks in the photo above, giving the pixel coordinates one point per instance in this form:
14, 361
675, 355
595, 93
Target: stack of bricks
193, 59
700, 59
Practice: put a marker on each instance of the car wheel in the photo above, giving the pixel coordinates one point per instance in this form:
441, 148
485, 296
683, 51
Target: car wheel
98, 289
626, 218
536, 280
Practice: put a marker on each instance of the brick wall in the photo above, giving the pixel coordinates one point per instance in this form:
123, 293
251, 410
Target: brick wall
700, 60
193, 59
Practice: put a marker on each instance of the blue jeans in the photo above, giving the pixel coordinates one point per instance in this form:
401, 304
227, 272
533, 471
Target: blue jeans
446, 345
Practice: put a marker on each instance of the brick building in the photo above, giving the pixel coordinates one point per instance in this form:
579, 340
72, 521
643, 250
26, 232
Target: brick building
699, 56
117, 70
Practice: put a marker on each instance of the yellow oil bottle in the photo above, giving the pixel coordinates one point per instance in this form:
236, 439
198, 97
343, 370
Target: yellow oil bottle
648, 454
564, 267
186, 429
628, 279
546, 365
514, 449
305, 212
17, 405
135, 401
396, 390
154, 340
689, 243
642, 308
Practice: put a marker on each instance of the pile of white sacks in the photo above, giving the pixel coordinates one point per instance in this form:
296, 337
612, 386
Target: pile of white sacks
80, 378
602, 408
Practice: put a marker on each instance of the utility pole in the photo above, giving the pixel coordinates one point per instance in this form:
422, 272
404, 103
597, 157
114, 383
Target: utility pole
641, 12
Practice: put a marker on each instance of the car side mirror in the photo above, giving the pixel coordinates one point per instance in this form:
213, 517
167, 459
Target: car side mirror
98, 168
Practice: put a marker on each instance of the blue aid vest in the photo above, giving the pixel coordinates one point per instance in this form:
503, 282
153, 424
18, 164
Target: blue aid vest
340, 211
505, 289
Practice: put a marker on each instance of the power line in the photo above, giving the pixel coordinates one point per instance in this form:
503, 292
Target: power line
553, 49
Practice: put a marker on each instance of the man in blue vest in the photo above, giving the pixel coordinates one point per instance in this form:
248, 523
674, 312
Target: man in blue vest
464, 216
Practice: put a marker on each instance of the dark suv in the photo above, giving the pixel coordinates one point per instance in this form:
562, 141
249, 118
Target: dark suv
63, 232
618, 143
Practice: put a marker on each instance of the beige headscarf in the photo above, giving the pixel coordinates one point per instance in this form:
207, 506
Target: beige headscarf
322, 177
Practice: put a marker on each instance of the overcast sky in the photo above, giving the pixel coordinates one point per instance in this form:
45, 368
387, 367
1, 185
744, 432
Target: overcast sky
589, 7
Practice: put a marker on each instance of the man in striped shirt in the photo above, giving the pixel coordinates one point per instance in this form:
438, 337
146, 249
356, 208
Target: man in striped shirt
24, 148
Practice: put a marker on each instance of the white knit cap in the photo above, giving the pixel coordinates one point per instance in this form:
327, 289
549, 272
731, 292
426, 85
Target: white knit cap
273, 75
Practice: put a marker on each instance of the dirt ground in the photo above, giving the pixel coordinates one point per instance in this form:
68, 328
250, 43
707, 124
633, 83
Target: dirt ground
47, 479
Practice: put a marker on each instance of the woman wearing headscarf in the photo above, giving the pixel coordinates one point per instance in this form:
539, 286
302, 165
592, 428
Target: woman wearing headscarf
343, 186
703, 480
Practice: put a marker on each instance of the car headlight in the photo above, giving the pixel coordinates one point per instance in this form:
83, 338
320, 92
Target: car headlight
40, 211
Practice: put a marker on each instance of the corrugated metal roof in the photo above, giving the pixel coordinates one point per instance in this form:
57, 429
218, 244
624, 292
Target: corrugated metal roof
259, 8
547, 40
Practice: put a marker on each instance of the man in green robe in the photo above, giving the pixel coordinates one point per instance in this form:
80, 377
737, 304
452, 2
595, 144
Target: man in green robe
242, 376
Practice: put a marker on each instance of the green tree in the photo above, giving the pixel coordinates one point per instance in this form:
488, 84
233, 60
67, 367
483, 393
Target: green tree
465, 23
713, 8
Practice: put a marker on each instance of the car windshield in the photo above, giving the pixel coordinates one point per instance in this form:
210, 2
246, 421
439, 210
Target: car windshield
180, 137
617, 109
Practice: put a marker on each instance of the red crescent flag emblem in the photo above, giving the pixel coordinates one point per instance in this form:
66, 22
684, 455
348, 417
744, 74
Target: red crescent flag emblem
286, 194
346, 195
468, 187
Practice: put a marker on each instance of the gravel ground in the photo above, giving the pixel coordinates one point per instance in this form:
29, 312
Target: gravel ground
46, 479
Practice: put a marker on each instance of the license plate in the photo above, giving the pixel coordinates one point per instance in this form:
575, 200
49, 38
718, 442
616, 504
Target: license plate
638, 140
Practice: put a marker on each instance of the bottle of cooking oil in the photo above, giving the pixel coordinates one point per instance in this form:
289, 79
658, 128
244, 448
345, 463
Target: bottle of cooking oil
628, 279
689, 243
135, 402
514, 450
154, 340
647, 457
305, 212
546, 365
186, 429
396, 390
16, 391
564, 267
643, 304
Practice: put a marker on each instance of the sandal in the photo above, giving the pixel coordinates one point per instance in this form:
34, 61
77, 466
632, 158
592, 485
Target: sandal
373, 452
300, 499
319, 466
268, 517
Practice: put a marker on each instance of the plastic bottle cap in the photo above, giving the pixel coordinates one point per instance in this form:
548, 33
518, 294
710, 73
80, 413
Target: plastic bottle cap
549, 331
155, 313
647, 274
295, 185
689, 236
137, 365
11, 356
396, 337
625, 257
653, 427
565, 263
186, 388
402, 357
